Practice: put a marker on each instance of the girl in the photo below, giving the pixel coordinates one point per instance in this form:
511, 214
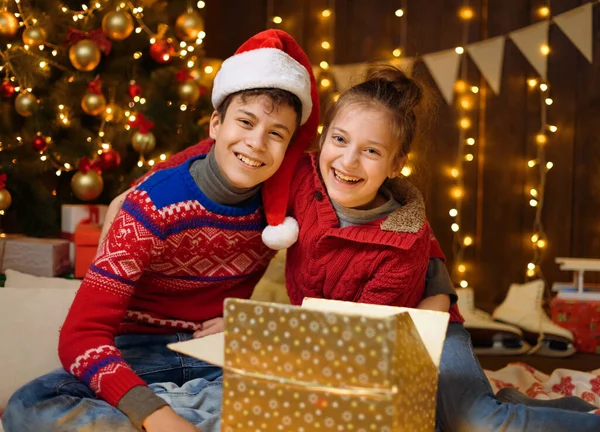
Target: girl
364, 237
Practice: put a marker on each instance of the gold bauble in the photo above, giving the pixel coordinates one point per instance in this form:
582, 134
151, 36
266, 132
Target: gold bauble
5, 199
143, 143
113, 113
85, 55
117, 25
34, 36
207, 79
189, 25
87, 186
8, 24
26, 104
189, 91
93, 104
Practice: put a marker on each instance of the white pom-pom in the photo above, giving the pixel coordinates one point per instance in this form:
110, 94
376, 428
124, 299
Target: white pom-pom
281, 236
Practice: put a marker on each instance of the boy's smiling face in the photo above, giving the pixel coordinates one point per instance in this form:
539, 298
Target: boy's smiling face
251, 139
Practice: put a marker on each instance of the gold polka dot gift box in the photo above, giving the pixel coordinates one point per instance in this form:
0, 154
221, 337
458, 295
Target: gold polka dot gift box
328, 365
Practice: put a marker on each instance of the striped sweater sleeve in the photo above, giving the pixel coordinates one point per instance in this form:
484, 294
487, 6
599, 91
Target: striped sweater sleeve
87, 339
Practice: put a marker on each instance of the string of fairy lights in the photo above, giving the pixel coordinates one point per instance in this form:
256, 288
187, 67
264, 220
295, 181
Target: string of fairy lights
399, 13
326, 82
465, 105
326, 20
398, 52
540, 165
36, 36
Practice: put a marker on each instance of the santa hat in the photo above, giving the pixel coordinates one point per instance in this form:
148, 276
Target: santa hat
273, 59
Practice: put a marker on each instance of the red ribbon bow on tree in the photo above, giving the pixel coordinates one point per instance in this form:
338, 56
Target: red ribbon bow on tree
2, 181
95, 86
97, 36
141, 122
184, 74
85, 165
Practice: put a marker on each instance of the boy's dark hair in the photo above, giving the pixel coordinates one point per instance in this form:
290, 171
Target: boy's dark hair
277, 97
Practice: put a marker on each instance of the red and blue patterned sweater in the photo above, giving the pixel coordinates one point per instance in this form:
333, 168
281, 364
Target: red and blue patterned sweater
169, 260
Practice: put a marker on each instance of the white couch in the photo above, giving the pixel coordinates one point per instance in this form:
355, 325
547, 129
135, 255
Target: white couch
32, 309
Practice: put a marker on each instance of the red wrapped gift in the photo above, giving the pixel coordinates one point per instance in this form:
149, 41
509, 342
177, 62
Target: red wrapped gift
87, 237
73, 215
582, 318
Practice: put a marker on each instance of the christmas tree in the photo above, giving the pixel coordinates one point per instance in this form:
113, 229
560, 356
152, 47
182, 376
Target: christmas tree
91, 96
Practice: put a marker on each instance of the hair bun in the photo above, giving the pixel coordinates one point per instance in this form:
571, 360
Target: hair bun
409, 92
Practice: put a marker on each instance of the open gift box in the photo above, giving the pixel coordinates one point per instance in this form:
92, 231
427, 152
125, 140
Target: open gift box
335, 363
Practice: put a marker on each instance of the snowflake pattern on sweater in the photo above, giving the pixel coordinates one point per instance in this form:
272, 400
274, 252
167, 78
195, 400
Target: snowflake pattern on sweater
170, 259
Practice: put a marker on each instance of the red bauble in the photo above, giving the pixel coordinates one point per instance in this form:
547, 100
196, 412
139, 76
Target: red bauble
162, 51
39, 143
7, 89
110, 159
134, 90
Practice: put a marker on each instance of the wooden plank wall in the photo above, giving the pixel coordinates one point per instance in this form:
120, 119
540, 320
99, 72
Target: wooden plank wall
495, 208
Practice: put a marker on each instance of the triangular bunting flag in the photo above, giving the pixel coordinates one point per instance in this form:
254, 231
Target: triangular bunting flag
348, 75
488, 55
443, 67
530, 41
577, 25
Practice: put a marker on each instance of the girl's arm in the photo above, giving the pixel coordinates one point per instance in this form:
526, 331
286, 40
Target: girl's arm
439, 291
439, 302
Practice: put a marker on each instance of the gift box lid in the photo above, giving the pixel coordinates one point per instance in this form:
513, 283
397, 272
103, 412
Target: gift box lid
430, 325
87, 234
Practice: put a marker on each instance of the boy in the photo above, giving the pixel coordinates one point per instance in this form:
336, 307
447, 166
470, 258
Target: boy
185, 239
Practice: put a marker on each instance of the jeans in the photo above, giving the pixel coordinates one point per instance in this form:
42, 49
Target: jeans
466, 402
59, 402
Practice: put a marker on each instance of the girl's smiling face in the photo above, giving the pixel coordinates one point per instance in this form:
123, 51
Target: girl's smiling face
358, 154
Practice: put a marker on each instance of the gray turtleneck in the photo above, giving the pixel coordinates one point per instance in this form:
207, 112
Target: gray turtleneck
437, 280
211, 181
351, 217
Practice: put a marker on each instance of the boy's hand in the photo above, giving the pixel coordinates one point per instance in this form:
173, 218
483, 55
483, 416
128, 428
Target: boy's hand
166, 420
212, 326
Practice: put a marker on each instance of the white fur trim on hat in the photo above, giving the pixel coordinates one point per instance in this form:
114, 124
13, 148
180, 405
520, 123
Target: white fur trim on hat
263, 68
281, 236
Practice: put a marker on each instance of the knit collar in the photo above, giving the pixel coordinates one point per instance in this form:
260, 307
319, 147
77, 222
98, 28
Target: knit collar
409, 218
